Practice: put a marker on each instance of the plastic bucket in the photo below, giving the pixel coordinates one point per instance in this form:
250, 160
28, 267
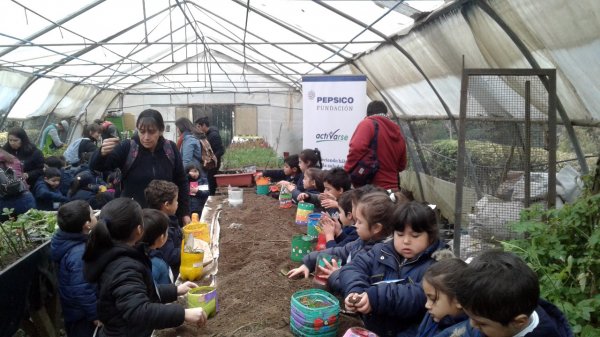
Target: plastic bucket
313, 224
314, 312
262, 189
236, 193
205, 298
304, 209
301, 246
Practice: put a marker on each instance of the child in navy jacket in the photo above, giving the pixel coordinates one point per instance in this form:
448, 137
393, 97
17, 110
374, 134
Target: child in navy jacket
156, 224
384, 285
198, 188
501, 295
78, 297
338, 232
290, 173
46, 192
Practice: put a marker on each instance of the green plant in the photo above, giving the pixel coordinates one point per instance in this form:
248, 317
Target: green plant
24, 232
255, 152
563, 247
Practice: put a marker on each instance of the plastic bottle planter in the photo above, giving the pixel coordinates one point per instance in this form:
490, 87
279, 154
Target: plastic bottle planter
304, 209
314, 312
313, 223
236, 196
318, 281
301, 245
205, 298
285, 199
359, 332
199, 230
191, 265
262, 186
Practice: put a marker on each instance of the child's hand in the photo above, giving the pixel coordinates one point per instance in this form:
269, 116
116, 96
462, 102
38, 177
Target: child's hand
328, 269
302, 270
302, 196
195, 316
350, 301
328, 226
325, 196
363, 306
183, 288
329, 203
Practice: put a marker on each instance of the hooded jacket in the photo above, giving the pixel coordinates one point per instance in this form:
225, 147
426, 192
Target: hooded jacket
77, 297
393, 285
46, 196
147, 166
391, 149
129, 303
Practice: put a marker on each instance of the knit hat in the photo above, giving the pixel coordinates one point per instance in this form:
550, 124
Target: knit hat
64, 124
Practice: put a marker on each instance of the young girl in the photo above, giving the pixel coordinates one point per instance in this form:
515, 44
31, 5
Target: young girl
374, 223
156, 225
85, 187
308, 158
445, 315
129, 303
312, 181
384, 284
198, 188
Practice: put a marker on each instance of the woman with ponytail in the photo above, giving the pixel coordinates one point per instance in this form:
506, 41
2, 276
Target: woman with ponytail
129, 303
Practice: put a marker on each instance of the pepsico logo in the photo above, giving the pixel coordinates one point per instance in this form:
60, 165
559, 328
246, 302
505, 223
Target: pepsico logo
311, 95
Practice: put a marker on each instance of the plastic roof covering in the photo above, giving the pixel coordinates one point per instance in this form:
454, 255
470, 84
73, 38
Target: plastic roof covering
210, 51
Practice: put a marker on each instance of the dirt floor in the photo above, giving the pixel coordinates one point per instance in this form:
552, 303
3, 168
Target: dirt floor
253, 295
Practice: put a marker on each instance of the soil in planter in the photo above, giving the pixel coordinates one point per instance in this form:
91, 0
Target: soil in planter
254, 296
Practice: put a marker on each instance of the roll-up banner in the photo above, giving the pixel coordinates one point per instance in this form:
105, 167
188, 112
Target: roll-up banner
332, 107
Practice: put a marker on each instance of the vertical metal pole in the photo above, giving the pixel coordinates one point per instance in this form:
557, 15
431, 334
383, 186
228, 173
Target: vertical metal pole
460, 164
552, 101
527, 159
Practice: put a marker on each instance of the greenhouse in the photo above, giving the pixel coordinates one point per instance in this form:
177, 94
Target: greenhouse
495, 103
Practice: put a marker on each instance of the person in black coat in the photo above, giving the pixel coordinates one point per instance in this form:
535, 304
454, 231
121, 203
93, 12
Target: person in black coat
31, 157
151, 162
129, 303
214, 138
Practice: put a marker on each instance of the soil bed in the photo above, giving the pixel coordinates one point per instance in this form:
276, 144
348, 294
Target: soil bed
253, 295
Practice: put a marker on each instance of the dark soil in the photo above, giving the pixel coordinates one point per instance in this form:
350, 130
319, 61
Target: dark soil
253, 295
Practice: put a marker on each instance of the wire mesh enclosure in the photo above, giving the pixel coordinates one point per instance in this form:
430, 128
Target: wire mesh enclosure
506, 158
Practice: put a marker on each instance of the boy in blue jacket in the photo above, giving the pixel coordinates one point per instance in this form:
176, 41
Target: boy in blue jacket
78, 297
501, 296
46, 190
163, 196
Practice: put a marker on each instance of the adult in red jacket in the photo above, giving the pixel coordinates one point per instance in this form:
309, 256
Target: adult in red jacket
391, 148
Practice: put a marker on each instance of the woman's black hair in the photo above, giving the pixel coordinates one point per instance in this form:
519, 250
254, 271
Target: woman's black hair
156, 224
73, 215
26, 145
183, 124
118, 220
88, 129
311, 156
150, 118
420, 217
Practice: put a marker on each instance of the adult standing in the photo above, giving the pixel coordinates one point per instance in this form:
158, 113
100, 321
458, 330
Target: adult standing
32, 159
80, 150
187, 143
109, 130
151, 157
391, 147
214, 139
51, 136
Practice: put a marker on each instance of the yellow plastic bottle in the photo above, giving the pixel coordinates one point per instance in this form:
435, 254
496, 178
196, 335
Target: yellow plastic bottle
192, 260
200, 230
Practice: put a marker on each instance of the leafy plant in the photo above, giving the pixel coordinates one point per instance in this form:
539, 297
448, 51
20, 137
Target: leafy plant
251, 152
563, 247
25, 232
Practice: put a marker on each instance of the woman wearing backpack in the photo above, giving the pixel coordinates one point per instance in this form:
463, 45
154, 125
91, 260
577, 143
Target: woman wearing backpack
147, 156
188, 143
20, 200
32, 159
80, 150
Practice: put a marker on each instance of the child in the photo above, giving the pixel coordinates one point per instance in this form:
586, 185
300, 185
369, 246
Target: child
66, 174
85, 187
156, 225
198, 196
162, 195
129, 303
501, 295
46, 192
338, 232
77, 297
308, 158
445, 316
374, 223
384, 284
291, 171
336, 182
313, 185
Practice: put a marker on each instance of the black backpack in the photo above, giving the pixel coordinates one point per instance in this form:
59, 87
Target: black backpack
9, 184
